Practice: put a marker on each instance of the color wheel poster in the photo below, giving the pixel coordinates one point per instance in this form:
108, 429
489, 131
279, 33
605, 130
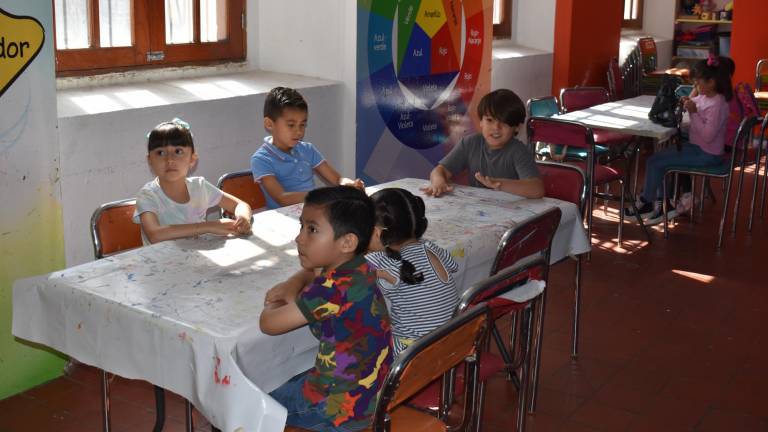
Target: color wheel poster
423, 65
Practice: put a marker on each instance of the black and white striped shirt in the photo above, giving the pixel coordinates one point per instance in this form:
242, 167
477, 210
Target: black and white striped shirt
417, 309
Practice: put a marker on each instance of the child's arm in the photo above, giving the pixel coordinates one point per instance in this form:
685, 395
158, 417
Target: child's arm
439, 182
157, 233
287, 291
329, 174
279, 318
240, 209
529, 188
276, 191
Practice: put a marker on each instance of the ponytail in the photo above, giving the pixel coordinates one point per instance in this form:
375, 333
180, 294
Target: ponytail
407, 269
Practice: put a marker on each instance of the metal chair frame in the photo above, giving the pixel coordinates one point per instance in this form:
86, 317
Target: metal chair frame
390, 390
740, 145
758, 74
98, 253
590, 175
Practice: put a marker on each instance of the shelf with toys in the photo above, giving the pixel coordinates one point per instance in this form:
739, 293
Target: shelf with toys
701, 27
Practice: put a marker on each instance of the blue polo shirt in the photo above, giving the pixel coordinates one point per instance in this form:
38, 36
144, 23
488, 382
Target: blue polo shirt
294, 170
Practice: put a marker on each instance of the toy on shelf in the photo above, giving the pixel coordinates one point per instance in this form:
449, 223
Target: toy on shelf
686, 7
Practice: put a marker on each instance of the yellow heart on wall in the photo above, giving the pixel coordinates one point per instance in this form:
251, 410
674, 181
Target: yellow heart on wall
21, 38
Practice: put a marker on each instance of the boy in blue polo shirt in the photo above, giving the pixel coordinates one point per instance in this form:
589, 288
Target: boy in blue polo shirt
284, 166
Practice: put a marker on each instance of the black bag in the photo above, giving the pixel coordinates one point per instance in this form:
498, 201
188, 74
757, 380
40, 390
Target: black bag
666, 107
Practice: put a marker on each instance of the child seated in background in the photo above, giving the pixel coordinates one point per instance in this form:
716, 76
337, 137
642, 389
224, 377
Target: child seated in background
414, 274
173, 205
494, 157
284, 165
345, 311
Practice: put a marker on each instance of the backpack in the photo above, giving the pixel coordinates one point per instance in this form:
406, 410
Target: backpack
666, 107
743, 104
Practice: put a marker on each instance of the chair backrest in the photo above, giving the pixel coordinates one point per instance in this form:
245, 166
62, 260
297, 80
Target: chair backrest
743, 138
545, 106
578, 98
564, 182
503, 282
532, 237
648, 52
241, 185
761, 77
561, 132
430, 357
113, 230
615, 80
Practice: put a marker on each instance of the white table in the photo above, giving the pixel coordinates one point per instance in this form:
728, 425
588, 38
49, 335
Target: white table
184, 314
628, 116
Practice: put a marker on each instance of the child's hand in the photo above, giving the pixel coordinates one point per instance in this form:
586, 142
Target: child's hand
436, 189
356, 183
223, 226
690, 106
488, 182
242, 224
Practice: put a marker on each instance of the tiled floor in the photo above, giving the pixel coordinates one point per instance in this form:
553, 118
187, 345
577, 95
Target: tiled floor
672, 339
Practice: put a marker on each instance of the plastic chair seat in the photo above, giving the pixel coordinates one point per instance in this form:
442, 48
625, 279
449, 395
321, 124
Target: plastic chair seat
609, 138
603, 173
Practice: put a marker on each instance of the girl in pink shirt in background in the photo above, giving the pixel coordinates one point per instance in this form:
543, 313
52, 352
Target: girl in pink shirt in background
708, 112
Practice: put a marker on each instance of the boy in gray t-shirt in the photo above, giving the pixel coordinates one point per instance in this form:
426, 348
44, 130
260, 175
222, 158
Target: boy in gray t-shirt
494, 158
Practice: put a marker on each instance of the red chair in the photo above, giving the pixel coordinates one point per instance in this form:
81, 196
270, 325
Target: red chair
241, 185
579, 98
522, 257
567, 183
761, 84
578, 135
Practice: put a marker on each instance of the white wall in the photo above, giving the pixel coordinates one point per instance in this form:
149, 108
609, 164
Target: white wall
659, 18
307, 37
533, 23
103, 155
526, 72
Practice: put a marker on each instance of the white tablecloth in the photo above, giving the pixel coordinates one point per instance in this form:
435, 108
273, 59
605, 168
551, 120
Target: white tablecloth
628, 116
184, 314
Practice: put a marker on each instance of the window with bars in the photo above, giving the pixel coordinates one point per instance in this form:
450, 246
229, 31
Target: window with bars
101, 35
502, 19
633, 14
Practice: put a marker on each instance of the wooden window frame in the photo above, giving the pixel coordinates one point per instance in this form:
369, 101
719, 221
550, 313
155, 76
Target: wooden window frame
636, 23
149, 35
503, 30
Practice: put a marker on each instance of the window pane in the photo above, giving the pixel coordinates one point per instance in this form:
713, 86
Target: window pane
115, 23
178, 21
72, 24
213, 20
634, 9
627, 9
497, 11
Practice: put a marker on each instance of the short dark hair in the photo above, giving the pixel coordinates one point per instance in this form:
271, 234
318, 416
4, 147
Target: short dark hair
503, 105
349, 211
280, 98
715, 68
171, 133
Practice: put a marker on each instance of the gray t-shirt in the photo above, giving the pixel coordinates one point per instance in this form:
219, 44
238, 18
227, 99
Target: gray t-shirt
513, 161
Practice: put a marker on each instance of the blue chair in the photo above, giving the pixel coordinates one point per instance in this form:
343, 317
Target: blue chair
723, 171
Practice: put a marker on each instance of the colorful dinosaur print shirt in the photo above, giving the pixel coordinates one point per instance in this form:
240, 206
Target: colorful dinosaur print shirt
347, 314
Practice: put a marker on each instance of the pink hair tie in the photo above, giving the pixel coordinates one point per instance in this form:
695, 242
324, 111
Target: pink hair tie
713, 61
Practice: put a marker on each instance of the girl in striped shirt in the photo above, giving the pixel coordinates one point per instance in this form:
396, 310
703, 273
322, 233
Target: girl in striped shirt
413, 274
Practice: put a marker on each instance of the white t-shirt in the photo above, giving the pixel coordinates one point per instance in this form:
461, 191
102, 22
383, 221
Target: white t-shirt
151, 198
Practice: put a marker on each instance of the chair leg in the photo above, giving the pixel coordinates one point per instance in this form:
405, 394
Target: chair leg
738, 190
529, 371
705, 187
621, 211
480, 405
188, 416
637, 216
159, 409
505, 353
693, 199
576, 309
534, 367
723, 217
754, 185
664, 206
762, 192
106, 425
